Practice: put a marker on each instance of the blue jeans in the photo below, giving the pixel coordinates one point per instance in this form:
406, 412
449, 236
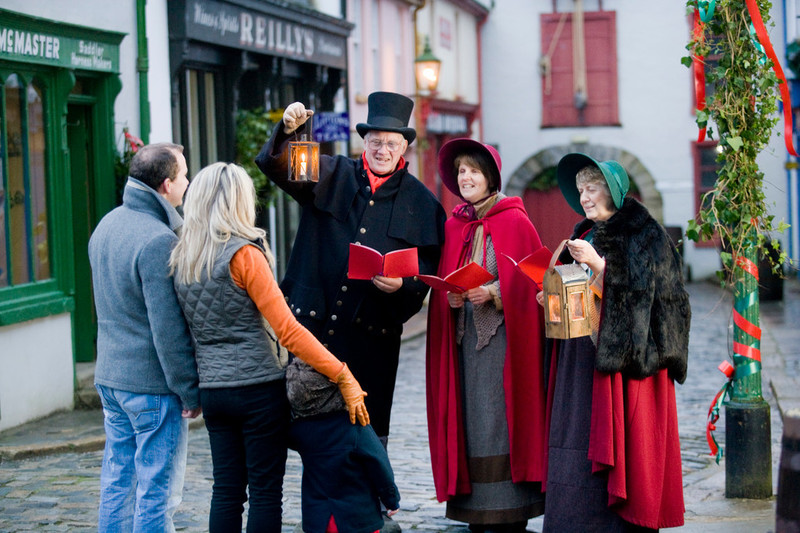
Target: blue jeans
248, 432
141, 481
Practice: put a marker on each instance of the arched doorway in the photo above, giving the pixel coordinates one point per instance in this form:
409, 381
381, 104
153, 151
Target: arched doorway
535, 182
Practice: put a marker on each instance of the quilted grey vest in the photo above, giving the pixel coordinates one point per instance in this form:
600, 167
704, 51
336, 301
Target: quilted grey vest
231, 343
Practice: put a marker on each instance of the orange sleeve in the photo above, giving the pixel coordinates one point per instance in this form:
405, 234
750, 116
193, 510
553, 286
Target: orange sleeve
251, 272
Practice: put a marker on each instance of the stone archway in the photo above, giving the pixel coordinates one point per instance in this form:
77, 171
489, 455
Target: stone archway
549, 157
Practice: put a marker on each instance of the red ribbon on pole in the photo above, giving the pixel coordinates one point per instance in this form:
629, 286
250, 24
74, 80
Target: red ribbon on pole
713, 411
698, 66
747, 265
761, 32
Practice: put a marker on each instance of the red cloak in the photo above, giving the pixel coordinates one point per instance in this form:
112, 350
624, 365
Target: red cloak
512, 234
634, 437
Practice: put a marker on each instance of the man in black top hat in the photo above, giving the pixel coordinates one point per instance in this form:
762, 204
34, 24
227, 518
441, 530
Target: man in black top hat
373, 201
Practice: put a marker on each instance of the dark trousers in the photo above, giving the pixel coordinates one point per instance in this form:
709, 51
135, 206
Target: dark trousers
248, 429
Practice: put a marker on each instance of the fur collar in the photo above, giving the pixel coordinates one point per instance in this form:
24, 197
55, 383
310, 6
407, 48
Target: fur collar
645, 316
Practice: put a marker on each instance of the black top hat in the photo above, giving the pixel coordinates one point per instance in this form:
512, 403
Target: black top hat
388, 112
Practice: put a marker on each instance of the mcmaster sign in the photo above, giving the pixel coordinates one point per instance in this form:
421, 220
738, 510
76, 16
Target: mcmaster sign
232, 26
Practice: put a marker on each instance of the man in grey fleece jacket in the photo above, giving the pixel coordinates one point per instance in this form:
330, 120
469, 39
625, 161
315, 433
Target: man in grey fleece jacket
145, 373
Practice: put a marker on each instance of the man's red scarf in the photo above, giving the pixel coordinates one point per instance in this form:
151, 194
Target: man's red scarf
376, 180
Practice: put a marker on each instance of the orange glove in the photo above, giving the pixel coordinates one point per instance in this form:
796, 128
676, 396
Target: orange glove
353, 396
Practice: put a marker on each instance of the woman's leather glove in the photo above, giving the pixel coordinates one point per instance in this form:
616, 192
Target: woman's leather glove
353, 396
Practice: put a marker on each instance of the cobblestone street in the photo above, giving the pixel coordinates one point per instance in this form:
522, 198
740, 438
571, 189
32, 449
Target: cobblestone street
60, 492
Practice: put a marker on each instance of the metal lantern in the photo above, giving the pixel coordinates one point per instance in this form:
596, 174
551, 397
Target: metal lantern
566, 301
304, 159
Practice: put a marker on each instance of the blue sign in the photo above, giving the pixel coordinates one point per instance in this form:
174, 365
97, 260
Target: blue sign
329, 126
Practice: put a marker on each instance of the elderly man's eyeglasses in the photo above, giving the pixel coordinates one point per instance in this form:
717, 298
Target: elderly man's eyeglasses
392, 146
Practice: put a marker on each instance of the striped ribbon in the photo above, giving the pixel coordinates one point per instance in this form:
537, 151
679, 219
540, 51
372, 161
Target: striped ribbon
746, 357
763, 38
704, 13
713, 412
698, 66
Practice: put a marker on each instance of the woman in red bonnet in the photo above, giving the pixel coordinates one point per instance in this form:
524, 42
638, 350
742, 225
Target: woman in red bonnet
485, 386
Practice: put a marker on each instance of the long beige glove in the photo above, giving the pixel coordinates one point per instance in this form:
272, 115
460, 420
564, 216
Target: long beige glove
353, 396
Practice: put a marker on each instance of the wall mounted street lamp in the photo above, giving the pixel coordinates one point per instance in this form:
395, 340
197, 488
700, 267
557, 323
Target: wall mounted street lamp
427, 70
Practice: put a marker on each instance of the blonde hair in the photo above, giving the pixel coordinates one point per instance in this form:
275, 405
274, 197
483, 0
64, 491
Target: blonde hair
219, 204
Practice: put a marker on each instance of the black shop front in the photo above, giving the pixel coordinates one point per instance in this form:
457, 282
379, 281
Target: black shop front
232, 56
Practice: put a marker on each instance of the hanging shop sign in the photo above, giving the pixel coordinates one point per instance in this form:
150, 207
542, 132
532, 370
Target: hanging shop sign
34, 40
236, 27
329, 126
446, 123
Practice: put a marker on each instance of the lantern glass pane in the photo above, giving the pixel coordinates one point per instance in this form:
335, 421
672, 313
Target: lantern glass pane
304, 161
554, 307
577, 307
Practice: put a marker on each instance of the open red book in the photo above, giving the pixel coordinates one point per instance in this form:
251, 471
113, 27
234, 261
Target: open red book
534, 265
366, 263
465, 278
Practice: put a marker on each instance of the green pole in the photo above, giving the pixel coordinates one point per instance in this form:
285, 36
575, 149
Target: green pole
748, 468
142, 67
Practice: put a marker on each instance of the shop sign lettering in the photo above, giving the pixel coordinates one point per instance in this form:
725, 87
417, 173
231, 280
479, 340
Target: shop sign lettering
445, 123
227, 25
38, 47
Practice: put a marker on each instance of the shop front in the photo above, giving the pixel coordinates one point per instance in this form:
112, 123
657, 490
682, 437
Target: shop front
230, 56
58, 83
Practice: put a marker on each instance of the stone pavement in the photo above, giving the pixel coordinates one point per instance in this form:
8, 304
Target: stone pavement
49, 469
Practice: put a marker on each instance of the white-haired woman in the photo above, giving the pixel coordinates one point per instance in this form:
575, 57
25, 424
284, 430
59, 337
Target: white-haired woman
614, 460
225, 286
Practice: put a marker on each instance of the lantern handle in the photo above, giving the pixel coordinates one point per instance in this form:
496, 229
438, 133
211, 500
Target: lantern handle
557, 253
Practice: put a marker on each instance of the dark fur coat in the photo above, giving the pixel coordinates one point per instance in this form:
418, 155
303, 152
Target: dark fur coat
645, 313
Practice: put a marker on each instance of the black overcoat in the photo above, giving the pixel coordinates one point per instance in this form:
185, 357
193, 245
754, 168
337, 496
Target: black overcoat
357, 322
346, 472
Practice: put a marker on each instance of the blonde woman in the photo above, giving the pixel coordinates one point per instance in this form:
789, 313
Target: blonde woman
225, 286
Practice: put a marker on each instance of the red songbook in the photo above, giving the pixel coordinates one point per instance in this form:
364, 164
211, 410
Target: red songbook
534, 265
366, 263
465, 278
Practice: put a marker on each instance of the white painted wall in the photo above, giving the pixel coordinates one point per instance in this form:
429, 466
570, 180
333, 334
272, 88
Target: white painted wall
158, 78
655, 101
458, 75
36, 370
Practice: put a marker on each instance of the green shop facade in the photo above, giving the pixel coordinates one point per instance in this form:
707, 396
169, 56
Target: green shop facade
58, 84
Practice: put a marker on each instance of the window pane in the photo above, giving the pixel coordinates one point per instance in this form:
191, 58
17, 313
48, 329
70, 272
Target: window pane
708, 179
211, 118
38, 196
18, 221
708, 157
193, 118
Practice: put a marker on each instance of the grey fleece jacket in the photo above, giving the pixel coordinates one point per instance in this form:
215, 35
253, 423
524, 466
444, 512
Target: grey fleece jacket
143, 342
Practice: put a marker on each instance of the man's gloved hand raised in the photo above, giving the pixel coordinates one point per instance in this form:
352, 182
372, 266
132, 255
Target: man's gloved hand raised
295, 116
353, 396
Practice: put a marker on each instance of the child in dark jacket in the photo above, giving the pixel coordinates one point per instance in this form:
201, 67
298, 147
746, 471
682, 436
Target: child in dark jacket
346, 470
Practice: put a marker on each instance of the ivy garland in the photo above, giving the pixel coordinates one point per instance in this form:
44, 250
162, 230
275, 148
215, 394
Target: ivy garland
743, 106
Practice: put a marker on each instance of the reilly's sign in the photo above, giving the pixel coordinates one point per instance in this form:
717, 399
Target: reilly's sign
229, 25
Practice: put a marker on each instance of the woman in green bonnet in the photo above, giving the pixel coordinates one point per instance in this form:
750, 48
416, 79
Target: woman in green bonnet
613, 454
